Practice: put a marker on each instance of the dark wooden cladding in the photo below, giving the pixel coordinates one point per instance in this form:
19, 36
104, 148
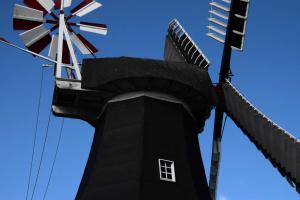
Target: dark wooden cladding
129, 139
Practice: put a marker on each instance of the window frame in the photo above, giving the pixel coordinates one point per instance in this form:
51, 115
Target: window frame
166, 168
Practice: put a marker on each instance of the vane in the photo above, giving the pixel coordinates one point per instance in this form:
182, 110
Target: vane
35, 16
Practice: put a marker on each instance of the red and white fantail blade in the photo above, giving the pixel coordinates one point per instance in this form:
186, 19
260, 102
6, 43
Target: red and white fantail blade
46, 4
85, 7
36, 39
43, 5
31, 36
93, 27
34, 4
26, 18
84, 46
38, 46
67, 3
53, 47
25, 13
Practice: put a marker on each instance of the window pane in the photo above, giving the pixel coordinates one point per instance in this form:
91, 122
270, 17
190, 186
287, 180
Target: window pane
169, 176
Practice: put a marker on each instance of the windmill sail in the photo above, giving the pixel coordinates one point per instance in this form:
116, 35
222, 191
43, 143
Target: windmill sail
223, 12
180, 47
277, 145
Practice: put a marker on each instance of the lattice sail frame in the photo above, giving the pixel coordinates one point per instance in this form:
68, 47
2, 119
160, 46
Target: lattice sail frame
281, 148
32, 19
224, 13
183, 44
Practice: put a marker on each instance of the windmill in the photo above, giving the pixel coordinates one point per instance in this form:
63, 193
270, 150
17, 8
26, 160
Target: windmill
189, 53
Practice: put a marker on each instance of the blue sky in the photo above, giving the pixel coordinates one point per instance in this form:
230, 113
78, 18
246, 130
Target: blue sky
266, 73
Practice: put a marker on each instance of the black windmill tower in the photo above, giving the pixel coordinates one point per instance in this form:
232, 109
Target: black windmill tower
147, 113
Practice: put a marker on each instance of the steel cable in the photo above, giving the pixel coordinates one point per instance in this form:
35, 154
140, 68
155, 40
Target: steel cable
42, 156
35, 132
55, 156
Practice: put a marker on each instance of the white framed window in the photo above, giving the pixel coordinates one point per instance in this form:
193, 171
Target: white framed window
166, 170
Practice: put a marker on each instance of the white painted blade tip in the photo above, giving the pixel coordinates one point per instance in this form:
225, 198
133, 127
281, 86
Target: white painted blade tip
88, 8
46, 4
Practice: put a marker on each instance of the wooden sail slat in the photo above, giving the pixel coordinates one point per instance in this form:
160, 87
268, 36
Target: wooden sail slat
277, 145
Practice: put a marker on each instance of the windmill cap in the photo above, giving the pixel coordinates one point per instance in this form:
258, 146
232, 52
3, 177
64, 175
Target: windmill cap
187, 82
